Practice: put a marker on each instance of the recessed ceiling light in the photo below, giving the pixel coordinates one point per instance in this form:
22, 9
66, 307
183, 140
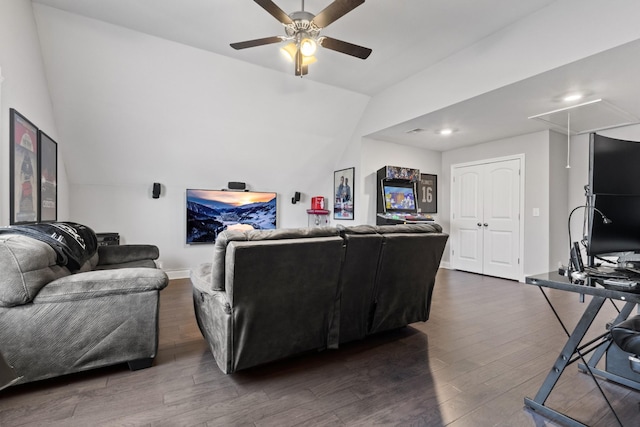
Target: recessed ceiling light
445, 131
572, 97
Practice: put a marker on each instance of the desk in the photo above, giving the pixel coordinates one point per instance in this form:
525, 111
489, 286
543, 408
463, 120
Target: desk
574, 350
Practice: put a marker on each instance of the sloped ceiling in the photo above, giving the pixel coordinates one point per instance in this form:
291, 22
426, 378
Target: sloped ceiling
406, 36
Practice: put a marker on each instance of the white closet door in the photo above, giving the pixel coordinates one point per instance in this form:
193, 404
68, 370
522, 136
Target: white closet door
485, 221
467, 222
501, 219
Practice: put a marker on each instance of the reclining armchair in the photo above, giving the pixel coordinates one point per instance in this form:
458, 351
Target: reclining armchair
55, 321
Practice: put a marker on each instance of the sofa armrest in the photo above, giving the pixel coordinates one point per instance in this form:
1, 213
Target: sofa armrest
94, 284
201, 278
119, 254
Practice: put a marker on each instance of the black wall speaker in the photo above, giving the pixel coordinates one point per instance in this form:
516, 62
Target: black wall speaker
296, 197
236, 185
156, 190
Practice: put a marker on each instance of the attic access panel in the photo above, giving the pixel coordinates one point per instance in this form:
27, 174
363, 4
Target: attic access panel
588, 117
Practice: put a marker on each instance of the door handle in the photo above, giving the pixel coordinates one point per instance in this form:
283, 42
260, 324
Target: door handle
479, 225
485, 224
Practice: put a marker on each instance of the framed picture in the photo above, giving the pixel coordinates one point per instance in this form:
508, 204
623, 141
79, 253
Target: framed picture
428, 193
23, 170
343, 194
48, 178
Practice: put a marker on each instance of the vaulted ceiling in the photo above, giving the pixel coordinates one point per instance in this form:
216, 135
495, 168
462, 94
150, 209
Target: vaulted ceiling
406, 36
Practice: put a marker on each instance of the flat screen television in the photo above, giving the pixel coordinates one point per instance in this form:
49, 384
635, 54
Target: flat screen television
399, 197
210, 212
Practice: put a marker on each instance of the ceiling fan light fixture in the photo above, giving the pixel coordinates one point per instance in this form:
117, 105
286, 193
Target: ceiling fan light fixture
302, 30
308, 46
289, 51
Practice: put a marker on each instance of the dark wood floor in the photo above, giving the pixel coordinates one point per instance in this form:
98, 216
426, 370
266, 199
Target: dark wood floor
488, 344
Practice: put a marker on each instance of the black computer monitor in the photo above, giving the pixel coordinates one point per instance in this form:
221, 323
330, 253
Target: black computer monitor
623, 233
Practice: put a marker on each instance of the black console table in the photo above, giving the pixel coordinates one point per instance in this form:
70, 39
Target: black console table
574, 350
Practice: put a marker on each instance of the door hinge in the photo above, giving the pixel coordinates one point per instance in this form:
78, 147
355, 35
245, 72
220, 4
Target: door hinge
518, 261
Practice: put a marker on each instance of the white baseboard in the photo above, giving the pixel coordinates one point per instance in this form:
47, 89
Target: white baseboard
446, 265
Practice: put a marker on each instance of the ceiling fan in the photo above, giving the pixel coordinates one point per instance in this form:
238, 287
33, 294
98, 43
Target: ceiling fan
302, 31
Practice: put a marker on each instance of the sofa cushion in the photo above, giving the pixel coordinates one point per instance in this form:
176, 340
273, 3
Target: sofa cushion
27, 265
429, 227
95, 284
223, 239
426, 227
357, 229
119, 254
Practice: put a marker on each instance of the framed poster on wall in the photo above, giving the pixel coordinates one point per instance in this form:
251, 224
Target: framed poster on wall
343, 190
428, 193
23, 170
48, 178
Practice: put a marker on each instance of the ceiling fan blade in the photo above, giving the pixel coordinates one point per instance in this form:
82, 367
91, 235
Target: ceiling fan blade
345, 47
256, 42
275, 11
334, 11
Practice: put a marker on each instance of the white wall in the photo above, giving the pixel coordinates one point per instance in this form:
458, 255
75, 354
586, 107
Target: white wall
25, 89
535, 147
147, 110
540, 42
376, 154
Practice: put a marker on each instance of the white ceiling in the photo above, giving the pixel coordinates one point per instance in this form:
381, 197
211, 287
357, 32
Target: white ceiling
611, 76
406, 36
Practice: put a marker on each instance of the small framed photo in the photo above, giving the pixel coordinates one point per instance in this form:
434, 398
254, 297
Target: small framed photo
23, 170
343, 194
428, 193
48, 178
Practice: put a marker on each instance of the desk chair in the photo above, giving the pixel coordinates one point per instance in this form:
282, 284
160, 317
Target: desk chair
626, 335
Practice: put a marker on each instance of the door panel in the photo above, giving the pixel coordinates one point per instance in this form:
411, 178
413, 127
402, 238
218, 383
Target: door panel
468, 208
502, 216
486, 218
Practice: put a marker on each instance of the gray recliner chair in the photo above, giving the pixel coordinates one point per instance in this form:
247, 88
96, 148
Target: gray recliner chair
54, 321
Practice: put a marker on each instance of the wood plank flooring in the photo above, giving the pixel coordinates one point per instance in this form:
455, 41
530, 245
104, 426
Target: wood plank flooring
488, 344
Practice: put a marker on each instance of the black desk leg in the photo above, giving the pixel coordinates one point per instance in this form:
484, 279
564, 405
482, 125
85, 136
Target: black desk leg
537, 404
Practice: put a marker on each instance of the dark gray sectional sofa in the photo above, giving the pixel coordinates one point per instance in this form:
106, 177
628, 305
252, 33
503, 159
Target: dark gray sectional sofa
271, 294
54, 321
